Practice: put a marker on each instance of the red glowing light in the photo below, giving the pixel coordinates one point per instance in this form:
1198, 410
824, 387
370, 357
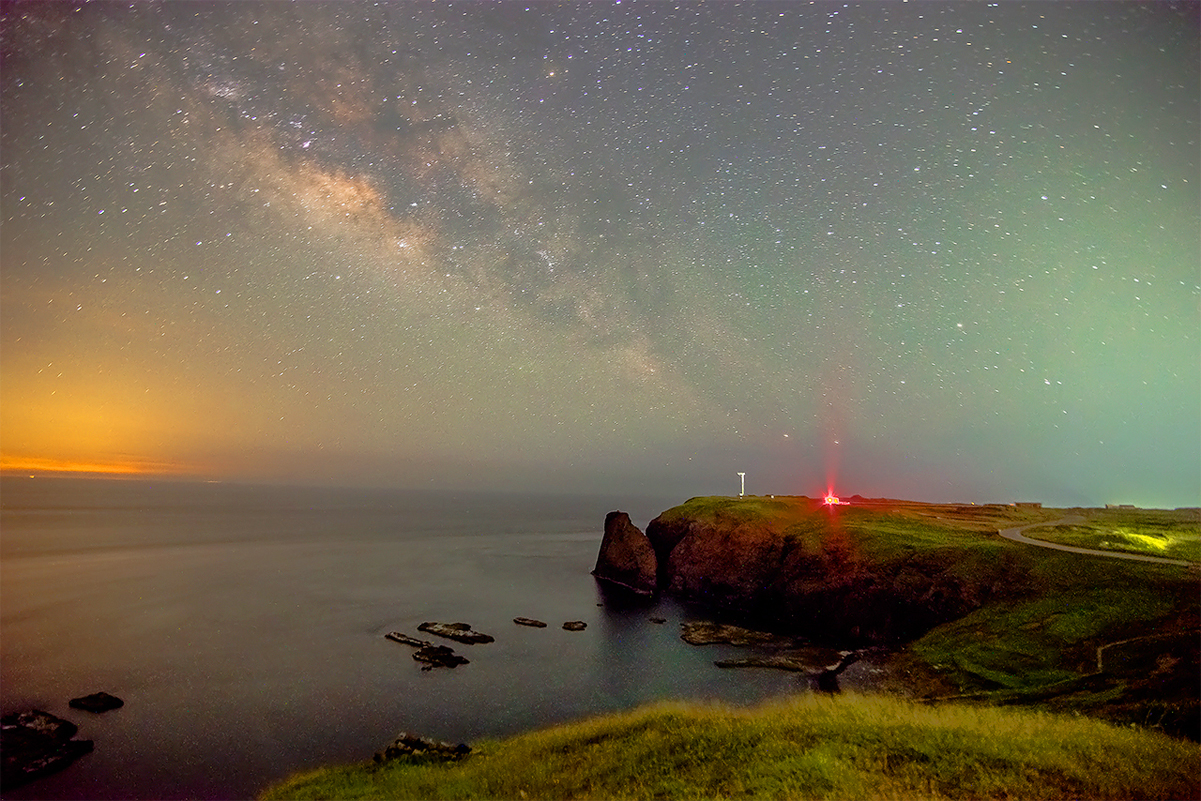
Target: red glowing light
832, 500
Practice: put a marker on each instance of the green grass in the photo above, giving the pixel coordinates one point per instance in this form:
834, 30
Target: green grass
752, 508
1028, 644
883, 532
808, 747
1175, 534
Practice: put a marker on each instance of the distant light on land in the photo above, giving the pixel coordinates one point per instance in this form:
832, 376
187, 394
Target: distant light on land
832, 500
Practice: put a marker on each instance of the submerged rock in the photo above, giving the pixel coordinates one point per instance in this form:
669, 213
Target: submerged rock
626, 557
412, 745
34, 744
460, 632
96, 702
529, 621
575, 625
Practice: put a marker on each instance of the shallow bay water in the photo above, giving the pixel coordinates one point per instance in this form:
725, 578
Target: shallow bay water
243, 626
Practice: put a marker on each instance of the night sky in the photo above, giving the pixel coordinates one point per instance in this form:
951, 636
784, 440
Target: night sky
940, 251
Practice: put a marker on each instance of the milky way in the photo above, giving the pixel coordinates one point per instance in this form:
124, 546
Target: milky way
933, 250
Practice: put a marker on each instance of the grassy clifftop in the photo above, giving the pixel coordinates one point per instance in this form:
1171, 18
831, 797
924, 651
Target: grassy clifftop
873, 571
804, 748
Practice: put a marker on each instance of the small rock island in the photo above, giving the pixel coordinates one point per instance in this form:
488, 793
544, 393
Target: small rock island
626, 557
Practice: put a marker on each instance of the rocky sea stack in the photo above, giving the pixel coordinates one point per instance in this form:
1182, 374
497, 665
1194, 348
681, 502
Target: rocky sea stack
626, 557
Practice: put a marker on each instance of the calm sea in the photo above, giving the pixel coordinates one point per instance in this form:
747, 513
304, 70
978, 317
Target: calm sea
243, 626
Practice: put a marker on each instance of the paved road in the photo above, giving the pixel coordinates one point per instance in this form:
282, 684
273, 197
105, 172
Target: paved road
1015, 534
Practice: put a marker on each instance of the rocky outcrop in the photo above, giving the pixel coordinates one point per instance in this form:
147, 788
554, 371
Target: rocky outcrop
626, 557
438, 656
432, 655
459, 632
773, 661
575, 625
529, 621
410, 745
827, 679
34, 744
703, 632
96, 702
792, 565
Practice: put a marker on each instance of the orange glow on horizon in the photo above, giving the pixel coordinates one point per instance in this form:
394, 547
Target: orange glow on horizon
40, 464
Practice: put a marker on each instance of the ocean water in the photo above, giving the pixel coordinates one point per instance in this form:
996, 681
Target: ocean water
243, 626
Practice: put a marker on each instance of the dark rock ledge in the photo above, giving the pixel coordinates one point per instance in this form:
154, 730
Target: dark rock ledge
405, 639
459, 632
96, 702
34, 744
433, 655
703, 632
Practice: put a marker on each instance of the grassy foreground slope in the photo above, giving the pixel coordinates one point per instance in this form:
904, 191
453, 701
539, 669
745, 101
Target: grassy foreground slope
806, 747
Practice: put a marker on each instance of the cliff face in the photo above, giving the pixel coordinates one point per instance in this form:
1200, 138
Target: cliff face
800, 566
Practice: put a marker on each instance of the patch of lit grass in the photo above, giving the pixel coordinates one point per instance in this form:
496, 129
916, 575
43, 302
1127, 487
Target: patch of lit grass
808, 747
1175, 534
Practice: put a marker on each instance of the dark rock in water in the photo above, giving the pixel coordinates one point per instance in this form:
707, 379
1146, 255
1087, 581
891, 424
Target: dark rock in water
703, 632
433, 655
97, 702
35, 744
460, 632
777, 661
410, 745
438, 656
659, 620
529, 621
575, 625
405, 639
626, 557
40, 722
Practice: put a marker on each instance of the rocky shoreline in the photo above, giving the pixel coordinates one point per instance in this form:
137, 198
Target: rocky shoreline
34, 744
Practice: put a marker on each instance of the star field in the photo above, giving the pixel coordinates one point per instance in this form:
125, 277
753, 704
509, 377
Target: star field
946, 251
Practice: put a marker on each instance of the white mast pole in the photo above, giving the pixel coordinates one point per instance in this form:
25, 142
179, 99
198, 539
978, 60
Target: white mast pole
742, 478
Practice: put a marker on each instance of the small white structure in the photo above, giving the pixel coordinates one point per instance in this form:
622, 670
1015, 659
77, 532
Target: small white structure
742, 490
